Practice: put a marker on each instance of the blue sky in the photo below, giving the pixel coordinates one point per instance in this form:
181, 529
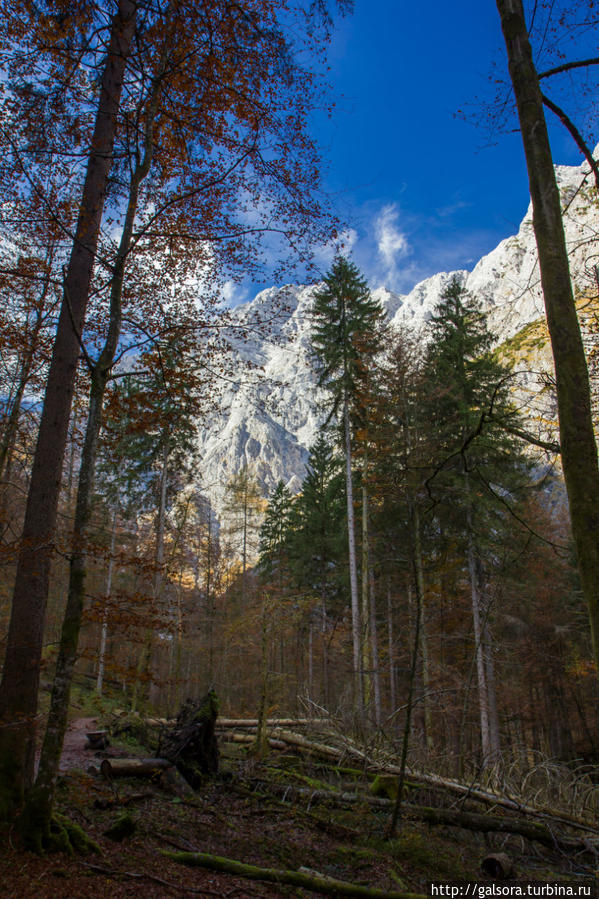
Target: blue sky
423, 188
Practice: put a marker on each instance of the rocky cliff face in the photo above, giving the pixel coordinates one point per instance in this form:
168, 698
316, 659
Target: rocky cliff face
269, 421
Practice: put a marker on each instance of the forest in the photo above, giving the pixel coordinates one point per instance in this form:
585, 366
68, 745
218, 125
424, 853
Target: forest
410, 639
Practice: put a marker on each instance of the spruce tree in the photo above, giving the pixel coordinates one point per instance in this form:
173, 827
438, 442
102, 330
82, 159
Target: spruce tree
345, 337
477, 466
274, 532
317, 547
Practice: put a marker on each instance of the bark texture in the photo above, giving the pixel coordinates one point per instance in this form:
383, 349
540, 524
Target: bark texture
19, 688
39, 801
577, 439
353, 569
191, 744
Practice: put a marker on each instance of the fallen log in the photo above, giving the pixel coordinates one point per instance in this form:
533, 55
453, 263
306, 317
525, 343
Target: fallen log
498, 865
111, 768
270, 722
249, 739
448, 817
313, 882
292, 739
468, 791
531, 830
97, 739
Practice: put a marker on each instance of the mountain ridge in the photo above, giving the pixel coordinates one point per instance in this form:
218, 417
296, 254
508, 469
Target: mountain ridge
269, 421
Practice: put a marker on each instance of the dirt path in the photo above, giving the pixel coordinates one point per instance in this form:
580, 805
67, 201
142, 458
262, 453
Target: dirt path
74, 753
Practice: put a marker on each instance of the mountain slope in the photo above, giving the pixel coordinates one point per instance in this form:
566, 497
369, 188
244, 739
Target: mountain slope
271, 418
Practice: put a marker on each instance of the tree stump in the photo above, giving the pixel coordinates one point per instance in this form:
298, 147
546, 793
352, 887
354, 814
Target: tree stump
191, 743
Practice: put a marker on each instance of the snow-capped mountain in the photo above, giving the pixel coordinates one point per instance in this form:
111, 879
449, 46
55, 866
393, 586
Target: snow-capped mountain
270, 419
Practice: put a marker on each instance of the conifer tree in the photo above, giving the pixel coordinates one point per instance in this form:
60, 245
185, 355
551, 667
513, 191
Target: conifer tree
345, 333
318, 548
242, 511
402, 447
274, 532
477, 463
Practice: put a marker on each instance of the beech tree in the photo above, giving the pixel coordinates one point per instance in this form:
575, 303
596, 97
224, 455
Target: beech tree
577, 438
231, 59
18, 690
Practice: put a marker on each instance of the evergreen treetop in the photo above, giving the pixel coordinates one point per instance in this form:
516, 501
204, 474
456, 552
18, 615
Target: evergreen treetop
274, 533
345, 330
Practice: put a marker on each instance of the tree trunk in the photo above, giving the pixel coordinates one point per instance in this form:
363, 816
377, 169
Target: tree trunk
146, 650
577, 439
426, 680
494, 734
104, 631
358, 683
416, 552
20, 682
261, 744
374, 652
365, 654
391, 653
311, 656
39, 802
325, 652
479, 652
35, 821
210, 606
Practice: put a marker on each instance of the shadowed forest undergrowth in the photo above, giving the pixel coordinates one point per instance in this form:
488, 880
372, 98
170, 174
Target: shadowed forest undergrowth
318, 805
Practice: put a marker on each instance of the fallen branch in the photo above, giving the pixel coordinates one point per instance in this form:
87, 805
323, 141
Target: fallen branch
105, 803
248, 738
313, 882
447, 817
111, 768
466, 790
270, 722
292, 739
113, 872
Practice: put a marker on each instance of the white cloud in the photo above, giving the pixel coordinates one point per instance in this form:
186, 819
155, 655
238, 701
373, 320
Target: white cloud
233, 293
343, 243
391, 242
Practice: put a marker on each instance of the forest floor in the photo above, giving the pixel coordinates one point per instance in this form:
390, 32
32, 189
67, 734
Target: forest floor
243, 813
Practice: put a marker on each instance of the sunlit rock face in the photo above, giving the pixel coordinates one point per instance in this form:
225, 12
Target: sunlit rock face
271, 417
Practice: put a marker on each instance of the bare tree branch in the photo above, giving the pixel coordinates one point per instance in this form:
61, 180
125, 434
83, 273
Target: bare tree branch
567, 66
578, 138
